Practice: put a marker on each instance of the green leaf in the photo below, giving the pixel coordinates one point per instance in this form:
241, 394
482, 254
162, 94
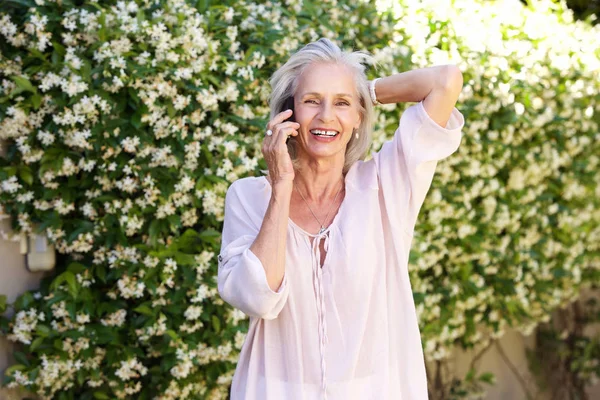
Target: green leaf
144, 309
23, 301
57, 282
72, 282
36, 343
202, 6
172, 334
487, 377
76, 267
136, 120
469, 376
36, 101
86, 70
81, 374
24, 84
42, 330
154, 230
13, 368
101, 273
101, 396
21, 358
171, 110
216, 323
2, 303
209, 235
83, 227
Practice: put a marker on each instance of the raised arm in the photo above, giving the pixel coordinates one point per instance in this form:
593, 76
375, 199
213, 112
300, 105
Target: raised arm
438, 87
428, 131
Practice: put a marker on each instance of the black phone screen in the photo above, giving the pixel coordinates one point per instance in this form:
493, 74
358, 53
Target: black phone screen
289, 104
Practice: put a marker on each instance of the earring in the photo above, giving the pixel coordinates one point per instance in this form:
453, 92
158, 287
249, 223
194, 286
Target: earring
356, 133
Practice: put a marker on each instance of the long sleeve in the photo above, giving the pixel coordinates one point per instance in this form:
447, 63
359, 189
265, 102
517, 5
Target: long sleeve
406, 164
242, 280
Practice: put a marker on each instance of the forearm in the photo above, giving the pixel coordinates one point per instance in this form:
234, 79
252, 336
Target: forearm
269, 245
415, 85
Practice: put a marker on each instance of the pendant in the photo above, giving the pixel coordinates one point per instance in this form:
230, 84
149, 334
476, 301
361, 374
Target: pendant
322, 230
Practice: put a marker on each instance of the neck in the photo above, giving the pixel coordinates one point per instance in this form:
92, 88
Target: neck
319, 180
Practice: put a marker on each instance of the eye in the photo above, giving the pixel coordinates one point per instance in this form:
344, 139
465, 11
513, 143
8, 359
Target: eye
311, 101
344, 103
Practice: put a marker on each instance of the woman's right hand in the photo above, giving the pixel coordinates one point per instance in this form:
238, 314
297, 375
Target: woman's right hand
275, 150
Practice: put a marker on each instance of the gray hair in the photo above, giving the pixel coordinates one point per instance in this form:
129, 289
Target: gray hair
285, 81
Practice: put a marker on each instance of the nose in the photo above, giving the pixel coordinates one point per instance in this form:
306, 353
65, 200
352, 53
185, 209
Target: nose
326, 114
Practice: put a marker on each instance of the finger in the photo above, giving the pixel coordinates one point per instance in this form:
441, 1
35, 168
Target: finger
284, 125
280, 130
284, 134
288, 124
280, 136
279, 118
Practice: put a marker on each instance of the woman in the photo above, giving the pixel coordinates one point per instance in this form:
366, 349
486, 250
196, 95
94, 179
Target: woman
316, 253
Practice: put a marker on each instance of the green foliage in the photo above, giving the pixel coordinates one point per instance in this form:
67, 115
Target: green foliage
124, 124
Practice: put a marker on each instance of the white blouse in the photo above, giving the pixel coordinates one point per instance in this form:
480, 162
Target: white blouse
348, 330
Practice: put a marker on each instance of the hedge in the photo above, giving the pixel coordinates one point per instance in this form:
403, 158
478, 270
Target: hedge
125, 122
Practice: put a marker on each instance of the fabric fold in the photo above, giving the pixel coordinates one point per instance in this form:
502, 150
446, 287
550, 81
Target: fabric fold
320, 300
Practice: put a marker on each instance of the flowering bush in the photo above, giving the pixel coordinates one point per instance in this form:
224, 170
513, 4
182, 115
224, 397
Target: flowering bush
511, 233
125, 122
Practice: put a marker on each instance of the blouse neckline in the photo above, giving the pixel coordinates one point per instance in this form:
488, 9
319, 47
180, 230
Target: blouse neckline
335, 218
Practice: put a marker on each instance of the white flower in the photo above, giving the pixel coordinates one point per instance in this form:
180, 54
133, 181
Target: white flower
11, 185
45, 137
228, 15
193, 312
131, 369
25, 323
115, 319
129, 287
170, 266
127, 184
83, 318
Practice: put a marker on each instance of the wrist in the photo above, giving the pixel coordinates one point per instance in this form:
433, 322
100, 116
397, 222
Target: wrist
282, 187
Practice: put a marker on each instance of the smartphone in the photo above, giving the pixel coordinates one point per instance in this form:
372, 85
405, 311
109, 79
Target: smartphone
288, 104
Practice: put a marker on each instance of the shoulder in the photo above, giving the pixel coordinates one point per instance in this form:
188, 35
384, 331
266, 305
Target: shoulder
362, 176
247, 190
248, 183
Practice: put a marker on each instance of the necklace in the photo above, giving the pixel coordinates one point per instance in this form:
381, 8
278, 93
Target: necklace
311, 211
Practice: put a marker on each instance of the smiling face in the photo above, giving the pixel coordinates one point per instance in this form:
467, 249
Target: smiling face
327, 108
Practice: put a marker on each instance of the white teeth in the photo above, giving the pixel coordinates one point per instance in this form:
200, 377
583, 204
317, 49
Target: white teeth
323, 133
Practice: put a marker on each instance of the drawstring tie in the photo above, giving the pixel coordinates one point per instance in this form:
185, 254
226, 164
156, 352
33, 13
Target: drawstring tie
320, 297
